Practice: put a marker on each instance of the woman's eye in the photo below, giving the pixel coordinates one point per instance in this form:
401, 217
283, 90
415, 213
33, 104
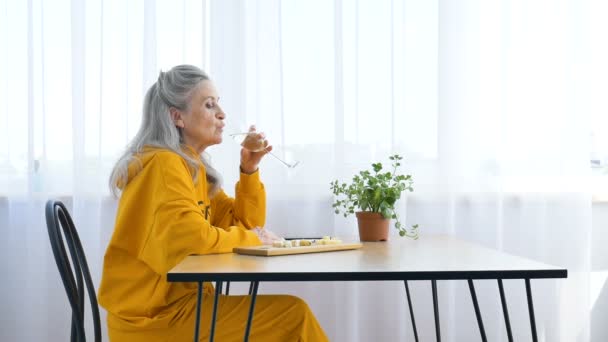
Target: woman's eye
210, 105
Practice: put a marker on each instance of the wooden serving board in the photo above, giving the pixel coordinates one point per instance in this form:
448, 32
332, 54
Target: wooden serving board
271, 251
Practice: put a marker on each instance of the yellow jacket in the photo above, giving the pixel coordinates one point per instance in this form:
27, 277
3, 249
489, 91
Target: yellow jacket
162, 217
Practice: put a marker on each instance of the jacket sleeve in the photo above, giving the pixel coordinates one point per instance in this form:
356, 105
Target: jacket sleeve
247, 210
179, 227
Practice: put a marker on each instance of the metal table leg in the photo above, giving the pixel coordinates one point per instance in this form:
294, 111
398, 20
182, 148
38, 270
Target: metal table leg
505, 311
482, 331
531, 310
254, 293
218, 293
409, 303
436, 310
197, 324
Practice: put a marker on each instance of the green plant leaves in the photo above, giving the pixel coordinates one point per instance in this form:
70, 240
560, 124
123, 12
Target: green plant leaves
377, 192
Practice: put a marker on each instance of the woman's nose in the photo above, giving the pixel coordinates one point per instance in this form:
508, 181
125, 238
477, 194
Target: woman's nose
220, 114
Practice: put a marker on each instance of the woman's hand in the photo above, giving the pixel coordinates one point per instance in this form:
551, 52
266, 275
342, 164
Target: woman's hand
250, 159
266, 236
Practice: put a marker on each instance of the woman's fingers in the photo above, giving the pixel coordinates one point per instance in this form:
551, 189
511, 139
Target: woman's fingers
266, 237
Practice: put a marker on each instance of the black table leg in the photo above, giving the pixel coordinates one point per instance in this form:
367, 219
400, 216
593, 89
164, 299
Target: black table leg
250, 287
254, 292
197, 324
505, 311
409, 304
531, 310
218, 293
482, 331
227, 288
436, 310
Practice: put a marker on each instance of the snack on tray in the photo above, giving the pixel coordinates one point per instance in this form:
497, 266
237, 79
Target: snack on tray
326, 240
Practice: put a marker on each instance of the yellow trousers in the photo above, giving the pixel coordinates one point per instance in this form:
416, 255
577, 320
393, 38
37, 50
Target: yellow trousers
280, 318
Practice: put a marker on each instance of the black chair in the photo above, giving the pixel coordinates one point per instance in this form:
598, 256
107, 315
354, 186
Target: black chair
74, 278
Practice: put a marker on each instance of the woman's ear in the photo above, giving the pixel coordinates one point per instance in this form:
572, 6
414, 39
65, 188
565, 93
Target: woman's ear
176, 116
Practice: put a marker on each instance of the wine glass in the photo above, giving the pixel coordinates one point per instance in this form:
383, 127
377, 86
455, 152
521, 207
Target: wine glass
251, 141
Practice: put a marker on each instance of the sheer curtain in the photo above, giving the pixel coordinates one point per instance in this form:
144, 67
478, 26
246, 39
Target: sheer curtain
487, 100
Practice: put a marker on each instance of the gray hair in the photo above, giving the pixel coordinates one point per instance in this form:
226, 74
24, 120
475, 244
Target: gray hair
173, 88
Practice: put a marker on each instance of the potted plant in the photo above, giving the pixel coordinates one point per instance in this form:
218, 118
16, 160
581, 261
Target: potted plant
374, 194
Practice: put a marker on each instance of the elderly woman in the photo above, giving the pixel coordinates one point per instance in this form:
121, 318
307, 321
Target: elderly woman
172, 205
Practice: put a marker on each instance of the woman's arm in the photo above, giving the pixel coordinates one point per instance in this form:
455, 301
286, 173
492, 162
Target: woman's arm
181, 230
247, 210
179, 227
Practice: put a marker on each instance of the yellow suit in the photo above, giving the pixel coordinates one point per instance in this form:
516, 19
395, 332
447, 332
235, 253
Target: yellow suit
162, 217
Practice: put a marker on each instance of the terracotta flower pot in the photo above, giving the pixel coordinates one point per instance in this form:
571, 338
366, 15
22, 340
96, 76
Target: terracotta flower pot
372, 226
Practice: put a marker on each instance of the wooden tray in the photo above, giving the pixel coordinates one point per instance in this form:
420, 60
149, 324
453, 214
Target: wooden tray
271, 251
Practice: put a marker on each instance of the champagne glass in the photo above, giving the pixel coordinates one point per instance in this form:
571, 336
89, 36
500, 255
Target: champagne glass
252, 142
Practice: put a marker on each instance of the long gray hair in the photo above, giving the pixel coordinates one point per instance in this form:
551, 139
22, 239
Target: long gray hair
173, 88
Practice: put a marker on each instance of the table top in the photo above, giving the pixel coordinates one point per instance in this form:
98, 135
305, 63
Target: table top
428, 258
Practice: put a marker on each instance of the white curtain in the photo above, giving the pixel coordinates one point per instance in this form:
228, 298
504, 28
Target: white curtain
489, 102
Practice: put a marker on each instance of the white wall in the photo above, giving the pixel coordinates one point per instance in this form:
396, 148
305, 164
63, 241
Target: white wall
599, 292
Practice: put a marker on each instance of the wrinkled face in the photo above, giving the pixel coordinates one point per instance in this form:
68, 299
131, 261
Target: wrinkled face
203, 121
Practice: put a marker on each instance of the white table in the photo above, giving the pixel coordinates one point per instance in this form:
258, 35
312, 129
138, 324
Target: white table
429, 258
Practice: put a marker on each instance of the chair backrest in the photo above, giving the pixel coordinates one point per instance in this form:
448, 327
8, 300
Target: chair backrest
74, 278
